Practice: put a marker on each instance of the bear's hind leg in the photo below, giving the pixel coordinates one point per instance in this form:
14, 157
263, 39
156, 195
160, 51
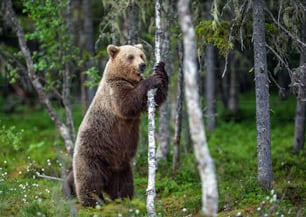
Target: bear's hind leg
69, 186
121, 184
90, 195
89, 187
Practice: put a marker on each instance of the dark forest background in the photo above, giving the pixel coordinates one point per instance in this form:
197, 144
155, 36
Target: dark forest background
44, 94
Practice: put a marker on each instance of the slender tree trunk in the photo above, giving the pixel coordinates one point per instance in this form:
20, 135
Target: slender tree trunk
224, 88
210, 88
233, 101
11, 17
151, 194
88, 44
179, 110
204, 160
265, 176
67, 78
299, 131
210, 79
164, 113
132, 24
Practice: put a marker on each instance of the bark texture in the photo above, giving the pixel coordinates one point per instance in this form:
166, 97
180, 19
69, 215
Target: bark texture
300, 113
164, 113
210, 88
151, 194
179, 110
299, 77
88, 43
132, 24
204, 160
210, 81
265, 177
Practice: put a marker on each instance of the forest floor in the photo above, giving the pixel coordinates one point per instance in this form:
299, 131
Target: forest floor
30, 145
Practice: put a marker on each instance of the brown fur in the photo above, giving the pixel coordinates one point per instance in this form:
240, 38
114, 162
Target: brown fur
108, 135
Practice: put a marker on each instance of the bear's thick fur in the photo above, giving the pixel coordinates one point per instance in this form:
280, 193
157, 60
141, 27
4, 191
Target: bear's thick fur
108, 135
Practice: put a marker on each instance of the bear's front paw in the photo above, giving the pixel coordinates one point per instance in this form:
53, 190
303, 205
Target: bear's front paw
155, 81
159, 70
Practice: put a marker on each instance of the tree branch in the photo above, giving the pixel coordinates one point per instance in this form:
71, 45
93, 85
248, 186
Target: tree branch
293, 37
11, 18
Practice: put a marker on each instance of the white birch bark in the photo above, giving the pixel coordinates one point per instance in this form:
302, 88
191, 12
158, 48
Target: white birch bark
150, 205
197, 131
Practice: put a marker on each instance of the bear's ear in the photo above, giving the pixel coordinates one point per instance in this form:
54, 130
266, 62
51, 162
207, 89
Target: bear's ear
112, 50
139, 46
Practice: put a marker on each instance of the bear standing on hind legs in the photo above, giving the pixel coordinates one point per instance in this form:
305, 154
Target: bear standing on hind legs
108, 135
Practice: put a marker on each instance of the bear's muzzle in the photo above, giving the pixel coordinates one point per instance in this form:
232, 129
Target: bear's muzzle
142, 67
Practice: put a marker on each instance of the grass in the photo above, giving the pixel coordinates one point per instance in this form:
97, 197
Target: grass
31, 145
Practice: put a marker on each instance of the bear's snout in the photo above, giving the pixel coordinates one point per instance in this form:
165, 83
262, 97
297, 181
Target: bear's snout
142, 67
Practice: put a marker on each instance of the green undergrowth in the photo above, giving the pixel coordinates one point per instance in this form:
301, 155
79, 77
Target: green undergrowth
30, 146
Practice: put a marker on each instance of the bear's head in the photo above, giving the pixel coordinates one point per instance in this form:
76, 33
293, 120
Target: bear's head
127, 62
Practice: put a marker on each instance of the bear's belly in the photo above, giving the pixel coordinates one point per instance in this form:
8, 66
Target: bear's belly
125, 135
114, 142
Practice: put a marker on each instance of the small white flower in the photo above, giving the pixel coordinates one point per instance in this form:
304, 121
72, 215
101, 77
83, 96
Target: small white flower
184, 210
274, 197
137, 211
98, 206
258, 208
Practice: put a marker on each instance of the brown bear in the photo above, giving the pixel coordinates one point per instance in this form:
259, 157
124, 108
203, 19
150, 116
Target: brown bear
108, 135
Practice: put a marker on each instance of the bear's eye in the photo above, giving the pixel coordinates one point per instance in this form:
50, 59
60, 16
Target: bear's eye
142, 57
130, 57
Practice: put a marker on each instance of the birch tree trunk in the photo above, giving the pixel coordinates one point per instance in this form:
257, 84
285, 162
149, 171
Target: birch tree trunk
265, 177
11, 18
204, 160
150, 205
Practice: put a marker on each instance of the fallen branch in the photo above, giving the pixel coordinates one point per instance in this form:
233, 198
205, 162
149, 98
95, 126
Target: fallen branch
49, 177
